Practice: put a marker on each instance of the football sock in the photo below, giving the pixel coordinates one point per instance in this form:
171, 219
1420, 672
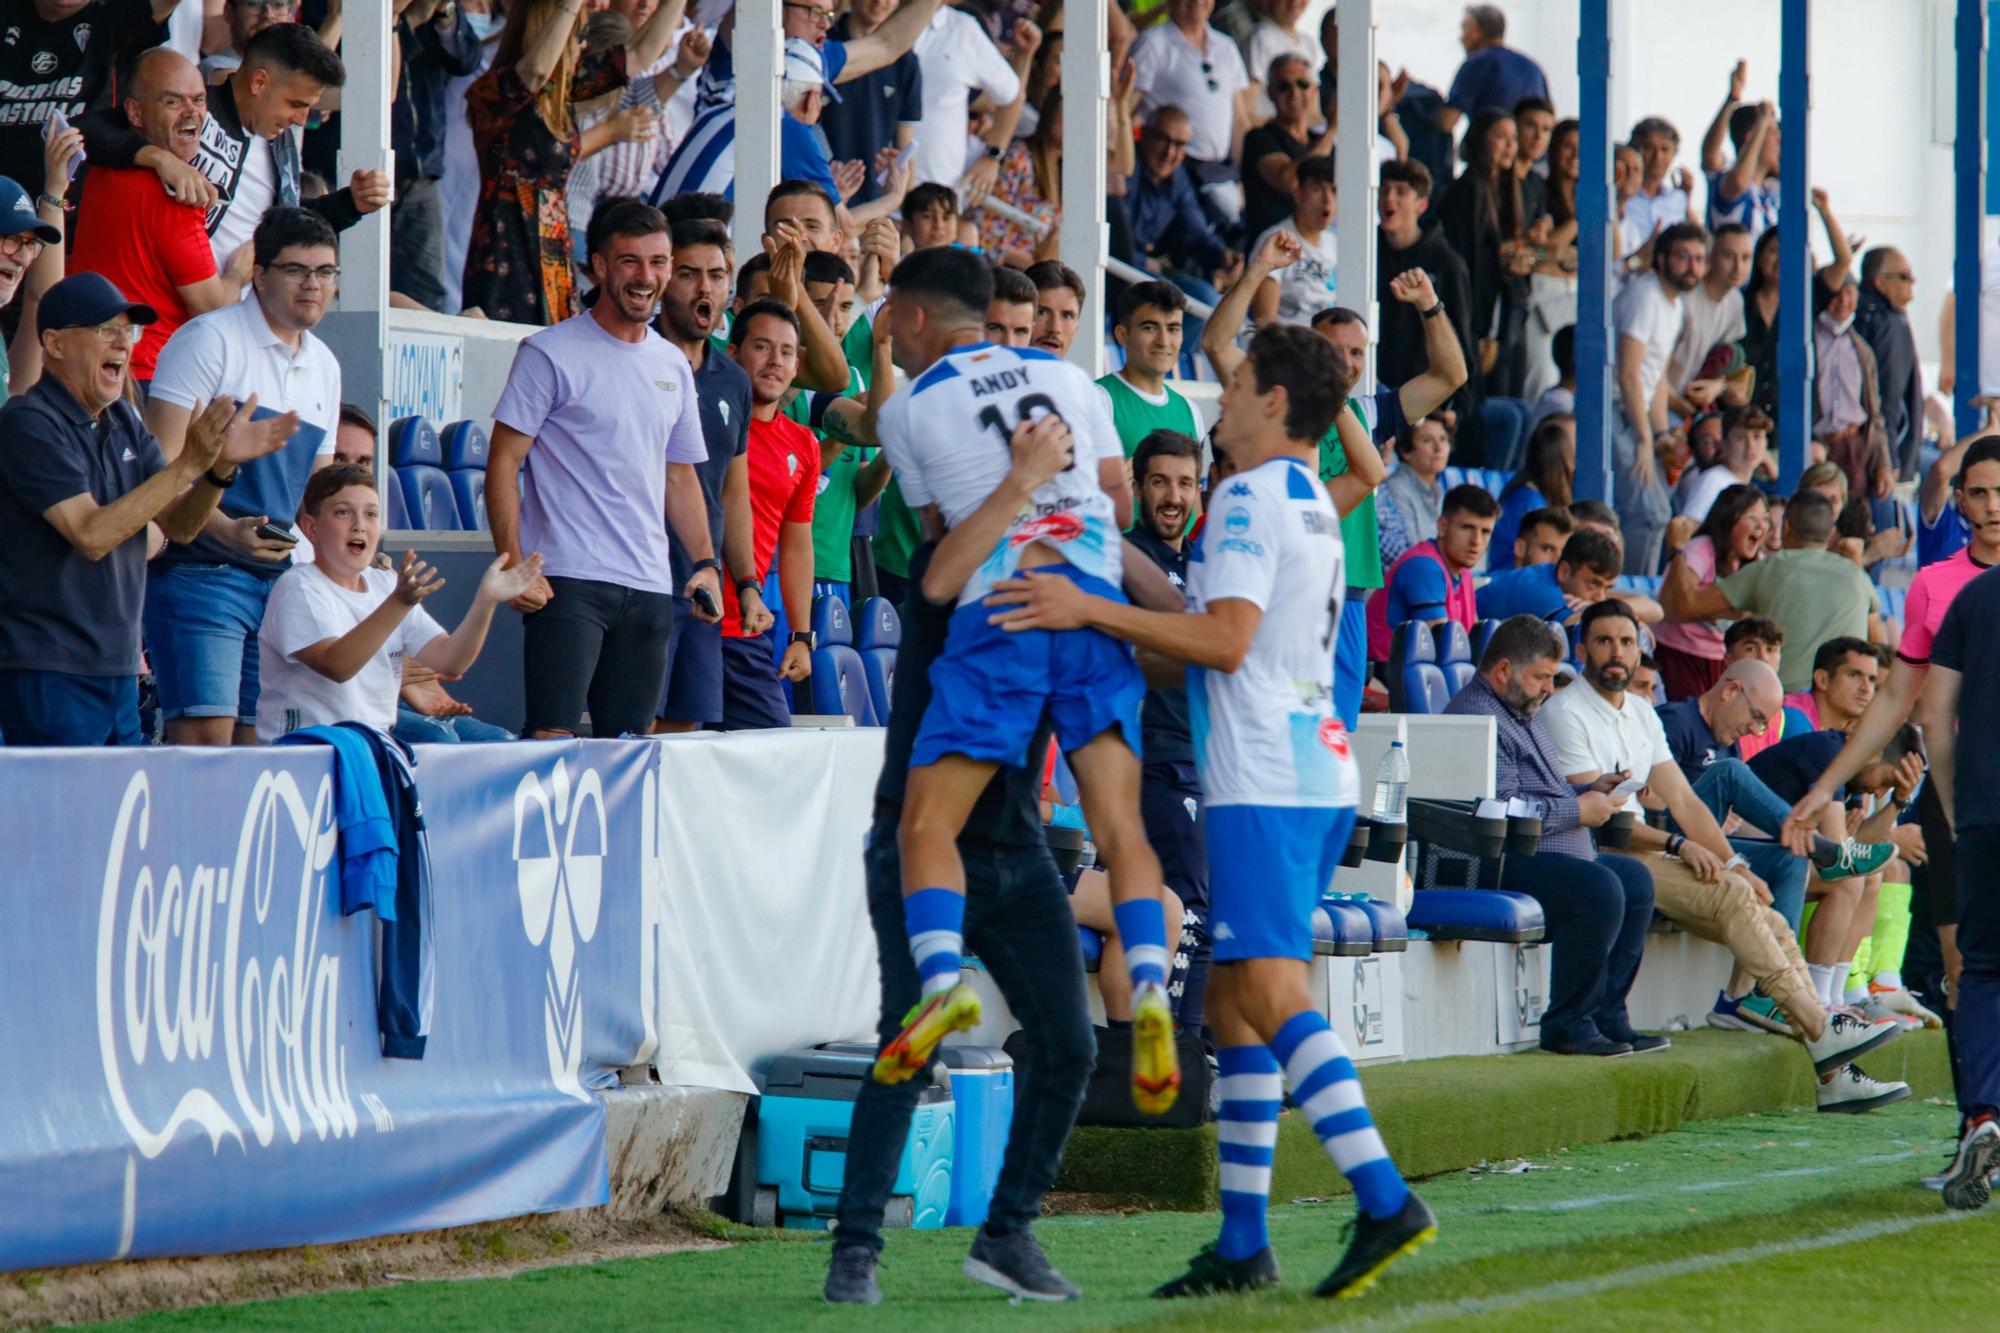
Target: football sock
1822, 980
1862, 968
1328, 1093
1839, 985
1891, 937
1246, 1133
1142, 934
935, 919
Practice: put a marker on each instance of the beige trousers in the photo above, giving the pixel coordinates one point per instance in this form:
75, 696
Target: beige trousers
1729, 913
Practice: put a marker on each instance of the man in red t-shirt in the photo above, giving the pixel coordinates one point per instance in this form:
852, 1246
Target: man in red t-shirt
783, 463
153, 249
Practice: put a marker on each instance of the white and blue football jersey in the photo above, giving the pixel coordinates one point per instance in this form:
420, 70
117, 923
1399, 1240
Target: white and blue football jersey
1266, 733
949, 436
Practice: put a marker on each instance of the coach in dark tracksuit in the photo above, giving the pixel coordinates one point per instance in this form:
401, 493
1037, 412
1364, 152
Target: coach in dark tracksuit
1018, 922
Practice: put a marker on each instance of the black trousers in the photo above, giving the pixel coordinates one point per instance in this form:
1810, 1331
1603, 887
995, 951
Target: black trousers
1976, 1025
600, 645
1018, 922
1597, 913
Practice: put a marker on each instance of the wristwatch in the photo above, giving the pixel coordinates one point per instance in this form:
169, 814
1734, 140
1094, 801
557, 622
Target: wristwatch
1437, 308
804, 636
750, 585
221, 483
994, 153
710, 563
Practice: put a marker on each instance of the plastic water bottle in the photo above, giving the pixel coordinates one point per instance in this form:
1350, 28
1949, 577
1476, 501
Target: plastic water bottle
1392, 786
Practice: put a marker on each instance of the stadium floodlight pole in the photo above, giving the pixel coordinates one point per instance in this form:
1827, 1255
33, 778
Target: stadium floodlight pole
1355, 225
360, 325
1795, 272
1086, 225
758, 50
1594, 252
1968, 157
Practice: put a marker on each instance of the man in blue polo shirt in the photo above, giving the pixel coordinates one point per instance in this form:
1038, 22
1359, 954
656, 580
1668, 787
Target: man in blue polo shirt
80, 478
1494, 74
1583, 574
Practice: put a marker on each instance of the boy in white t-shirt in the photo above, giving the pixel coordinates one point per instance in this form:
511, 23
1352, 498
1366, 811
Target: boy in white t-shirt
1303, 287
335, 632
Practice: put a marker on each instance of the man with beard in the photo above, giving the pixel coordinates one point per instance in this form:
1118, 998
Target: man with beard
697, 293
1166, 474
604, 415
1650, 319
1597, 906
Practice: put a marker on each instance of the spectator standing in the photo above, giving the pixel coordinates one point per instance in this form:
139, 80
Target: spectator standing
705, 161
1169, 230
784, 474
1279, 34
1480, 217
147, 244
1746, 436
1405, 244
1422, 450
1882, 319
1545, 479
1746, 190
206, 597
1732, 533
1148, 328
1713, 317
1493, 74
1812, 593
1272, 151
242, 20
696, 295
436, 45
883, 108
1030, 180
1304, 287
1649, 319
959, 62
1659, 202
1534, 129
1847, 397
31, 262
80, 479
460, 185
1597, 905
604, 415
60, 61
248, 158
1185, 63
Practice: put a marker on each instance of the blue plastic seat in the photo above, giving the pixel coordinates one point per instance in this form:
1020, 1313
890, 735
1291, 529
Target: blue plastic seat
1482, 632
427, 494
465, 447
1342, 930
1494, 915
1092, 944
413, 442
1391, 929
1454, 655
839, 684
397, 514
878, 634
1416, 685
468, 489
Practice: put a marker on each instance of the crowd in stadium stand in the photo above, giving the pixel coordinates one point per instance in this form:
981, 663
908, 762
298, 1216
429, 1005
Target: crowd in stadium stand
569, 164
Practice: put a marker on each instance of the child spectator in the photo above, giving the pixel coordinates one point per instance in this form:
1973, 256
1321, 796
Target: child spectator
930, 216
335, 632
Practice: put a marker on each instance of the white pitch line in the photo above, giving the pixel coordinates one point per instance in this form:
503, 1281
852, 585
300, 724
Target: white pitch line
1633, 1277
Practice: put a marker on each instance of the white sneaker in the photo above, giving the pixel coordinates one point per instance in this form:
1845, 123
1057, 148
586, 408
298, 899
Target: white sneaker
1848, 1037
1876, 1010
1851, 1092
1900, 1001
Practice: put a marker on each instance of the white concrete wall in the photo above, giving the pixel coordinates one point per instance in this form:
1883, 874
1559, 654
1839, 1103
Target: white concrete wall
1880, 67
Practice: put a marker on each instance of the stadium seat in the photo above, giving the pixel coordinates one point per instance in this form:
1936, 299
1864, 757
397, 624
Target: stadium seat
397, 518
1391, 928
1482, 630
465, 447
1416, 685
1342, 930
1477, 914
1454, 656
878, 633
839, 685
468, 488
413, 442
427, 494
1092, 944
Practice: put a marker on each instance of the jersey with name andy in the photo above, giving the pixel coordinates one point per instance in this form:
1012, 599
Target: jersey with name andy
1266, 733
949, 437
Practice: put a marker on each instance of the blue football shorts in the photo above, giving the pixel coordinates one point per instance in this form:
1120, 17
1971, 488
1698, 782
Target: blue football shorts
1267, 867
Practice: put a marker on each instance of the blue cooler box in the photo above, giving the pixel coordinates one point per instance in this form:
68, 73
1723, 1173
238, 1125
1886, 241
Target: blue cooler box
803, 1119
982, 1093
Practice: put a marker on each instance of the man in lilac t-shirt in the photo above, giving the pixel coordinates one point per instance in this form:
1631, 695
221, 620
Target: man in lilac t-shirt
602, 412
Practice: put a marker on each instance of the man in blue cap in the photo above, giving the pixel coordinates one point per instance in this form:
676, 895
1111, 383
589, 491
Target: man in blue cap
80, 479
24, 234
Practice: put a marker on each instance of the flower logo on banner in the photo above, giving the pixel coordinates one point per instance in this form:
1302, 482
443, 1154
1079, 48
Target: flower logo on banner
561, 887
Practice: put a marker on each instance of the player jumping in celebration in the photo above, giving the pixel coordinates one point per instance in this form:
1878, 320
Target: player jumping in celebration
1265, 591
949, 437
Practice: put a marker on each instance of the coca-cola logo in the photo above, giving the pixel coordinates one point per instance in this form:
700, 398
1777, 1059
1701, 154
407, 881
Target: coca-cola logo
250, 1037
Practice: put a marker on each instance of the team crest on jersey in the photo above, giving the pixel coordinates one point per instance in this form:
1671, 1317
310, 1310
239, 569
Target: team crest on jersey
13, 36
722, 410
82, 35
792, 465
1334, 737
43, 62
1237, 522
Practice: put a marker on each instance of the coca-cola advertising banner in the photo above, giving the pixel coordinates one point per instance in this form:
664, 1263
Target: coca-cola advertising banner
189, 1050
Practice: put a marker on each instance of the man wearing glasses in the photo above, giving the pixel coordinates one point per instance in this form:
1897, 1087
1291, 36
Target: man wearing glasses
1187, 64
1888, 285
80, 479
206, 597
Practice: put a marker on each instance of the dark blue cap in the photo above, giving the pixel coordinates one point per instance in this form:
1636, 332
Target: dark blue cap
17, 214
84, 300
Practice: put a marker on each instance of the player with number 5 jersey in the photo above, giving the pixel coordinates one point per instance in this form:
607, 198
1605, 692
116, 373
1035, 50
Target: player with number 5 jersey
954, 436
1265, 588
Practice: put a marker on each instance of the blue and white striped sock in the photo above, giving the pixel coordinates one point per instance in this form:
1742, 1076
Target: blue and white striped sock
1328, 1093
935, 919
1142, 933
1246, 1135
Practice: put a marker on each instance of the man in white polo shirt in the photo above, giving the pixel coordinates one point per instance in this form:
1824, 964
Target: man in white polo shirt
1604, 733
595, 439
1185, 63
204, 600
959, 61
